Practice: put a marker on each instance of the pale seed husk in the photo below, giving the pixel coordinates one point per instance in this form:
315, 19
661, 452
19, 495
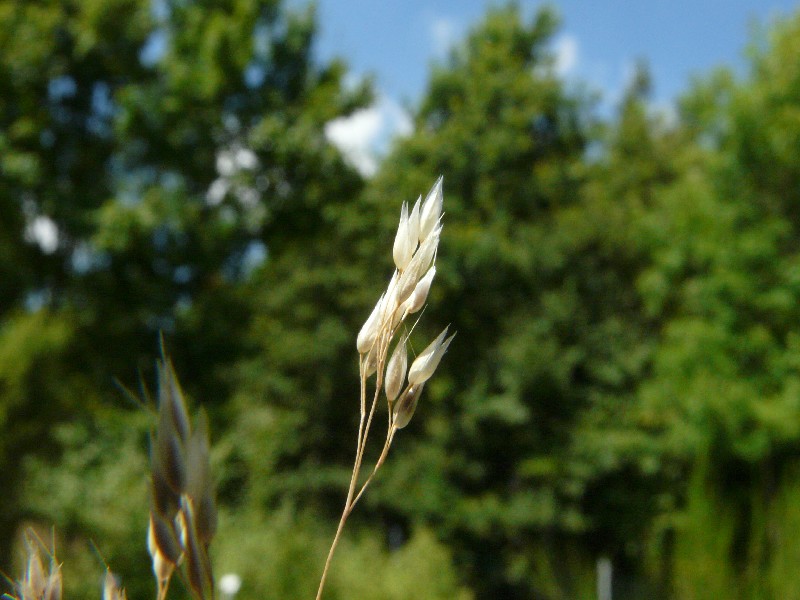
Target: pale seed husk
406, 405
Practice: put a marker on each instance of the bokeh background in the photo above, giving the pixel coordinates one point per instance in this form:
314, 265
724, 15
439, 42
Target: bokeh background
621, 259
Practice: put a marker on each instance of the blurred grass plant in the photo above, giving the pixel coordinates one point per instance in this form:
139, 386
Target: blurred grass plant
183, 516
38, 583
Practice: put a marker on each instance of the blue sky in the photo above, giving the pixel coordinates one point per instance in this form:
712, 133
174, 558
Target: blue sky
599, 43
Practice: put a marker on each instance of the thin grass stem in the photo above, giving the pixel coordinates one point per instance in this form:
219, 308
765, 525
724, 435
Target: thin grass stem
378, 464
414, 254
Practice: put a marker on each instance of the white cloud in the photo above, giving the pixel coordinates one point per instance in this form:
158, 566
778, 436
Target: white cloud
364, 136
566, 54
443, 32
355, 136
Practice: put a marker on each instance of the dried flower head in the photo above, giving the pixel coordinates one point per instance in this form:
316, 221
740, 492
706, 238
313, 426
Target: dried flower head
425, 364
406, 406
369, 331
420, 294
414, 252
431, 210
404, 246
396, 370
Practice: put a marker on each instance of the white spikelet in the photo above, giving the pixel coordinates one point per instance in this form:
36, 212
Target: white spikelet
413, 222
420, 294
427, 361
369, 331
431, 210
403, 248
396, 370
419, 265
406, 406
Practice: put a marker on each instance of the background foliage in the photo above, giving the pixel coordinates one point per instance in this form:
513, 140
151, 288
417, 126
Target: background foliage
626, 378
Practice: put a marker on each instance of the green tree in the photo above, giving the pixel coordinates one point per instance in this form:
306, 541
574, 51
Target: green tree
160, 151
723, 396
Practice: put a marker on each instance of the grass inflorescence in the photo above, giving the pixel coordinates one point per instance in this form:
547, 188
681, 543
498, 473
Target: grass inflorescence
414, 252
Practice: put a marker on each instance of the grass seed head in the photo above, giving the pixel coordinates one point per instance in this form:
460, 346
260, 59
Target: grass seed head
183, 517
52, 590
414, 252
199, 485
371, 362
163, 542
36, 583
403, 248
431, 210
198, 565
170, 463
33, 584
413, 222
396, 370
406, 405
425, 364
172, 400
428, 248
420, 294
369, 331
